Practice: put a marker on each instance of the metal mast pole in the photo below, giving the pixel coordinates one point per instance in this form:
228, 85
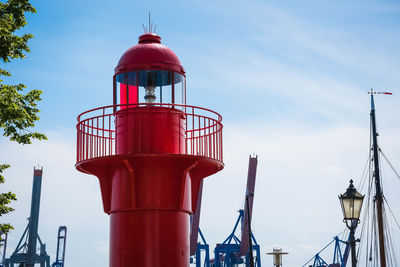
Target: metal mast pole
353, 247
378, 196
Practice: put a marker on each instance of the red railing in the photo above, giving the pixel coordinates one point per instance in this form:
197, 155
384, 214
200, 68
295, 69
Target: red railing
96, 131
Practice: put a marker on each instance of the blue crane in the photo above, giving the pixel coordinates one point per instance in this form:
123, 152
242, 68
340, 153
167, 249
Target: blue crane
61, 243
201, 247
341, 252
228, 254
233, 250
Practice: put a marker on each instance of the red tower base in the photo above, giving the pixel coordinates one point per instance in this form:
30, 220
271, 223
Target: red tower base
150, 238
149, 199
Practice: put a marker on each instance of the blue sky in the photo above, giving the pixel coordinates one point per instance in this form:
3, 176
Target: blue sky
289, 77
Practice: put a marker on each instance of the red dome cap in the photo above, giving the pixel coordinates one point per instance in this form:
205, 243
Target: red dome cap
149, 53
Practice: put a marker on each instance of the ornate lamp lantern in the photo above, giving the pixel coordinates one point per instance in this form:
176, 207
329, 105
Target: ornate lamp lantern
351, 202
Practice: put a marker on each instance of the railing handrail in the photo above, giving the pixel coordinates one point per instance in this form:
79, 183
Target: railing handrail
96, 130
148, 104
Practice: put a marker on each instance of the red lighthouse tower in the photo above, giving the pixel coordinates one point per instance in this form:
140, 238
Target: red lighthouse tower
150, 152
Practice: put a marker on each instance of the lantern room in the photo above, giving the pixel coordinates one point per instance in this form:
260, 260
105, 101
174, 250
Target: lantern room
151, 73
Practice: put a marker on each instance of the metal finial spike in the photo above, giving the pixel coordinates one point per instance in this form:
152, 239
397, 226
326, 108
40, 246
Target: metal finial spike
149, 22
144, 28
155, 26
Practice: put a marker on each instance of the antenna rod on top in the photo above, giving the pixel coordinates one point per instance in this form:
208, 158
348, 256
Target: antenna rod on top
151, 28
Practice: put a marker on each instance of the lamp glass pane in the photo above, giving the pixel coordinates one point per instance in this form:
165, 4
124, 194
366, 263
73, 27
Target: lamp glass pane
179, 87
357, 207
348, 208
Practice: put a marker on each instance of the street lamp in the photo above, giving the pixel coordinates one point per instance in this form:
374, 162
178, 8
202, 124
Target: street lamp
351, 202
277, 254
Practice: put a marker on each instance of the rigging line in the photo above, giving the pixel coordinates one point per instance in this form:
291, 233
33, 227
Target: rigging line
386, 237
364, 234
361, 184
318, 252
361, 238
343, 236
365, 225
365, 221
382, 170
389, 239
391, 256
391, 212
369, 222
364, 174
374, 247
390, 164
372, 225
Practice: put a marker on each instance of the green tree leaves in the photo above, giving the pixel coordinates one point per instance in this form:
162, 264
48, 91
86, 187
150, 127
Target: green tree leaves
12, 18
18, 108
18, 112
5, 199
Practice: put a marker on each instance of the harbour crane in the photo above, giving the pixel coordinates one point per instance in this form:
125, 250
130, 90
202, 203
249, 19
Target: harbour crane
26, 253
341, 251
61, 243
234, 251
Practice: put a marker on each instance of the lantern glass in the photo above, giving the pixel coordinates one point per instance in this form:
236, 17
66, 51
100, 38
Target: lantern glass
150, 86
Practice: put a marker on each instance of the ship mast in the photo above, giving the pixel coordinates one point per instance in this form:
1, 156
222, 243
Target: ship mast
378, 195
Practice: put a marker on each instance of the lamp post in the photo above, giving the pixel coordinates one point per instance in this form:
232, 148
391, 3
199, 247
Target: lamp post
351, 202
277, 254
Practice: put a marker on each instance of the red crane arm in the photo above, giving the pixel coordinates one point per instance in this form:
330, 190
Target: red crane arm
251, 183
195, 222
